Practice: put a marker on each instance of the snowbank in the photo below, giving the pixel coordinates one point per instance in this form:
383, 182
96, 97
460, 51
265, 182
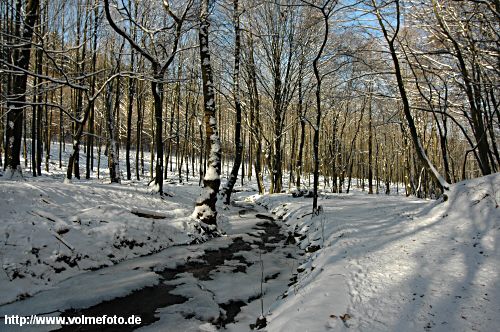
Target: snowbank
50, 230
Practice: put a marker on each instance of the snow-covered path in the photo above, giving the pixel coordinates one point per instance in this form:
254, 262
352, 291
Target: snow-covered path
414, 276
397, 264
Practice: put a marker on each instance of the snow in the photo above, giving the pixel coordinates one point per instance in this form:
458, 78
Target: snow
211, 174
51, 231
369, 263
202, 212
199, 298
395, 264
14, 174
224, 285
85, 290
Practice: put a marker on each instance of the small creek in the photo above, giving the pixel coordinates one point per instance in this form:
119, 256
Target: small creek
145, 302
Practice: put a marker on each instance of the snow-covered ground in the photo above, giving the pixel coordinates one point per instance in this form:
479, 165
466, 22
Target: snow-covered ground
395, 264
371, 263
50, 230
255, 267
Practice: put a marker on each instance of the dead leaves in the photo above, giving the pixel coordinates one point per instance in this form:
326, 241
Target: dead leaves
344, 317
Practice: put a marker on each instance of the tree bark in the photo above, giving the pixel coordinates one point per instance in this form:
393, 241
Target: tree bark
370, 145
113, 160
15, 112
302, 117
205, 210
237, 104
317, 125
255, 118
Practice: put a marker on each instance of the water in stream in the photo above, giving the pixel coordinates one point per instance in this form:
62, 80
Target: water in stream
145, 302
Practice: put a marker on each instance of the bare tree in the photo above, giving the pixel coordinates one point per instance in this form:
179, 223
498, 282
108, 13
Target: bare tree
159, 66
326, 10
205, 210
237, 105
25, 20
391, 42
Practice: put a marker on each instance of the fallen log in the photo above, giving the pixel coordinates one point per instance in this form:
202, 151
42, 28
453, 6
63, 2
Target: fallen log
148, 214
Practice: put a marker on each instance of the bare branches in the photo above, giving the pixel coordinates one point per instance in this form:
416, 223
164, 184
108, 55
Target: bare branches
125, 35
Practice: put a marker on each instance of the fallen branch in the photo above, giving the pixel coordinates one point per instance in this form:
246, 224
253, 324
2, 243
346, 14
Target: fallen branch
57, 236
265, 217
148, 214
61, 225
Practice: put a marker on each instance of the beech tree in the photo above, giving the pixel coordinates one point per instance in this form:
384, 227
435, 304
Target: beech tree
391, 40
26, 16
237, 105
205, 210
159, 64
327, 95
276, 28
326, 10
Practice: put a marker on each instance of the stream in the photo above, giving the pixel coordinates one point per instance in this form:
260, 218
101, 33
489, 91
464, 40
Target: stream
259, 257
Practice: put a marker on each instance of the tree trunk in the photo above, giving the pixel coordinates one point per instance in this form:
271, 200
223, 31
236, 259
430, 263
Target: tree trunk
205, 210
370, 146
90, 138
113, 160
15, 113
157, 90
138, 146
255, 117
131, 93
34, 130
404, 97
236, 91
317, 125
302, 116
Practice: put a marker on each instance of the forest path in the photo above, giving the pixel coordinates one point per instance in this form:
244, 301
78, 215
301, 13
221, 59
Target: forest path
393, 263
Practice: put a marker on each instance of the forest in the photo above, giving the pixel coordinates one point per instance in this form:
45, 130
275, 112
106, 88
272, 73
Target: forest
382, 91
285, 99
